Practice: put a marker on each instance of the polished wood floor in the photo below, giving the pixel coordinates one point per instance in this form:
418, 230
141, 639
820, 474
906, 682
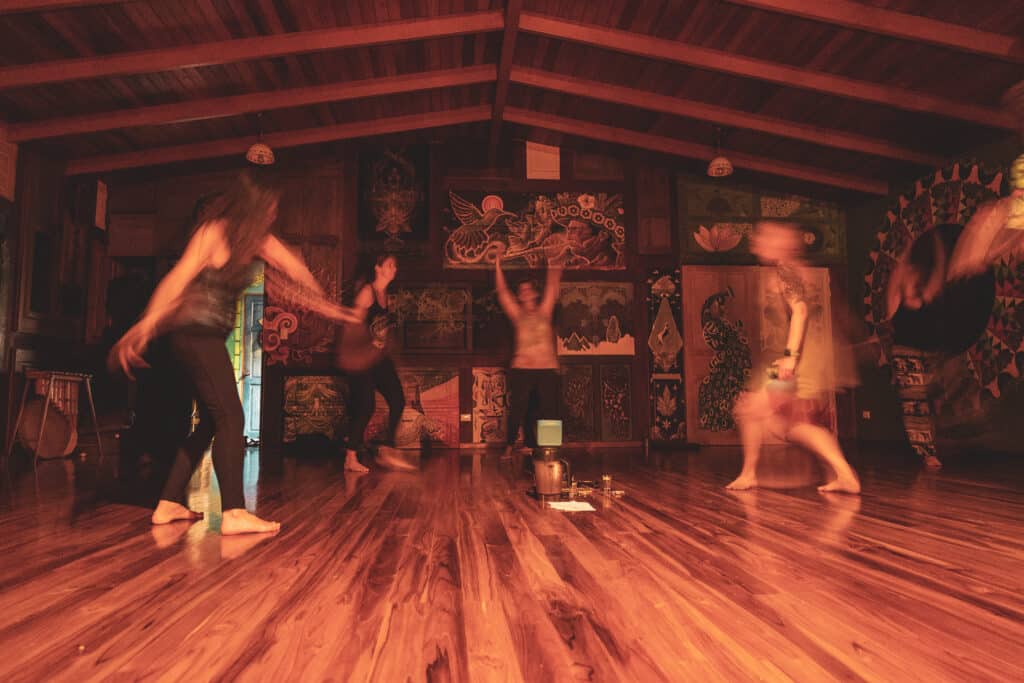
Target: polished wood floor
455, 574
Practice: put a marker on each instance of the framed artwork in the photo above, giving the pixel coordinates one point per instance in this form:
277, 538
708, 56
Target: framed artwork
431, 414
490, 405
716, 222
667, 394
313, 404
616, 412
433, 318
596, 319
583, 231
578, 415
393, 191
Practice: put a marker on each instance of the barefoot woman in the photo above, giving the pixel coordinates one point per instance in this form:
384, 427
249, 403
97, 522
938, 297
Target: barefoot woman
194, 305
363, 354
533, 376
785, 405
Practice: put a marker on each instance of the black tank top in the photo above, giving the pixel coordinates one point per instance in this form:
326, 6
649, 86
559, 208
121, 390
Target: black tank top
380, 322
208, 304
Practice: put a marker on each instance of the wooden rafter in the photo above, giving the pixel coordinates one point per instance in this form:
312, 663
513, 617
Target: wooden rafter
17, 6
292, 138
898, 25
219, 107
508, 47
631, 138
242, 49
749, 67
733, 118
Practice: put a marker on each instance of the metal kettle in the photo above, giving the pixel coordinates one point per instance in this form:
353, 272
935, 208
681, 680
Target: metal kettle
551, 476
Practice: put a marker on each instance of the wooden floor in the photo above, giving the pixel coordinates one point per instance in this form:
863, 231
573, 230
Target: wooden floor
455, 574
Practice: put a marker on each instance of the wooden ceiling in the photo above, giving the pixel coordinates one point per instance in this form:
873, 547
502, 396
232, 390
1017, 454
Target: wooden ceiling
847, 94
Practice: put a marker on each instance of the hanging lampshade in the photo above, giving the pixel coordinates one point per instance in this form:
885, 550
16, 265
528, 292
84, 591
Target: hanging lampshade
260, 153
720, 166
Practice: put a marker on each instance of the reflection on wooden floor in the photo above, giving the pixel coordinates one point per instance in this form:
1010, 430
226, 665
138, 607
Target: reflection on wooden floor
455, 574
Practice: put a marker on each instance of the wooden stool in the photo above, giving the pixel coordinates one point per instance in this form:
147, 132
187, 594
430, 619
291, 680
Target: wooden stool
60, 388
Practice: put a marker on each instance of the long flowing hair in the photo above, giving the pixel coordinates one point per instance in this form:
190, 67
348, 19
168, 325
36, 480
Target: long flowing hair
243, 208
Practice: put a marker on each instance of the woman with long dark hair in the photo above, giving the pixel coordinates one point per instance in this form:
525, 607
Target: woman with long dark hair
194, 305
364, 354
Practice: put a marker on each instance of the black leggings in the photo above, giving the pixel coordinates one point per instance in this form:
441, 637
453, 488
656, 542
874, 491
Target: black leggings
534, 395
381, 377
205, 361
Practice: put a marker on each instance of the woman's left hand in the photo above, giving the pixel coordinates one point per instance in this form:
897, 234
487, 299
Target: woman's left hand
786, 367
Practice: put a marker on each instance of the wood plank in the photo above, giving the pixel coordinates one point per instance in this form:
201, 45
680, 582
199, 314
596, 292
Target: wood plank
242, 49
644, 99
513, 9
749, 67
293, 138
693, 150
18, 6
886, 22
218, 107
454, 574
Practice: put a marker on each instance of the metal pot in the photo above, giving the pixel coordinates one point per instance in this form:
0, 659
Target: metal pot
551, 476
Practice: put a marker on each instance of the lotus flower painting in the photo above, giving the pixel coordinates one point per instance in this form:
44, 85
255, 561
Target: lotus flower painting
721, 237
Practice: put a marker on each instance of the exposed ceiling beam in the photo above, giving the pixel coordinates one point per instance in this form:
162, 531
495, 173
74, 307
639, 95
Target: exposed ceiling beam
508, 48
291, 138
219, 107
898, 25
16, 6
242, 49
724, 116
692, 150
749, 67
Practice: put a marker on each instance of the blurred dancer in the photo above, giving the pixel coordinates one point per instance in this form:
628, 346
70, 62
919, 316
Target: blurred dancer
533, 375
364, 353
786, 403
194, 305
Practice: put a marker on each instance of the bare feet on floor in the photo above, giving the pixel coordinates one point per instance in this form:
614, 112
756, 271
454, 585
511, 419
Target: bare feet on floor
742, 483
932, 463
841, 485
390, 458
168, 511
239, 521
352, 463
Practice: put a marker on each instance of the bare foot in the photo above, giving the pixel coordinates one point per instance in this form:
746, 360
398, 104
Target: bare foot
352, 463
742, 483
932, 463
239, 521
841, 485
168, 511
388, 457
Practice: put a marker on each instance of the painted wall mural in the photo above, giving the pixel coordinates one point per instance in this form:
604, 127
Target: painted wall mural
596, 318
393, 191
580, 230
950, 195
716, 222
293, 335
667, 393
730, 366
616, 421
313, 405
431, 412
432, 318
578, 403
490, 405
